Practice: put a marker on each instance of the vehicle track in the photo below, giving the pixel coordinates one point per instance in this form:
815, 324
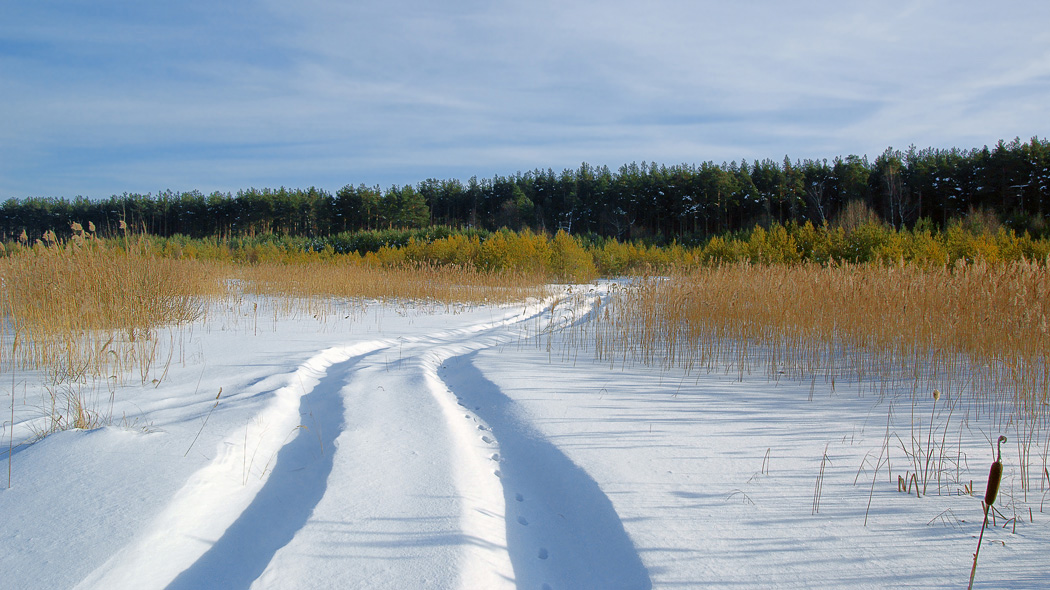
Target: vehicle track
382, 466
562, 530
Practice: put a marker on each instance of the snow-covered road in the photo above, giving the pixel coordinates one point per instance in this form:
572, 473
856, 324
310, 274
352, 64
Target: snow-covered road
384, 472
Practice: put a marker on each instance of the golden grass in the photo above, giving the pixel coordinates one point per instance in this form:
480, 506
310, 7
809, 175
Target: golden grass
979, 329
91, 307
978, 333
340, 278
88, 313
83, 307
320, 288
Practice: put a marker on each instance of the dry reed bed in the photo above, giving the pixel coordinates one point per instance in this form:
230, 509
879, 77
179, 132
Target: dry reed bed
317, 281
989, 324
88, 313
979, 333
89, 307
85, 308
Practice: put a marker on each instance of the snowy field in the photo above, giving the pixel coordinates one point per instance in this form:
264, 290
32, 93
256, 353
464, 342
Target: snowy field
395, 446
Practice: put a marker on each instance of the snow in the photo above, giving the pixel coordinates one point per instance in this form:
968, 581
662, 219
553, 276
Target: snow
419, 446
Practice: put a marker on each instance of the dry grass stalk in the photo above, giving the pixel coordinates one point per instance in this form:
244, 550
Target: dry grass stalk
319, 281
79, 308
982, 330
979, 333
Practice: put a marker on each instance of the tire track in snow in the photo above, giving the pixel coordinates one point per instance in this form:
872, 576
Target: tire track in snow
296, 483
216, 495
435, 506
562, 530
395, 512
434, 513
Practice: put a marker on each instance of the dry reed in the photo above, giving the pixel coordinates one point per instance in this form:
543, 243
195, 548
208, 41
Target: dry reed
84, 308
978, 329
90, 310
977, 332
318, 281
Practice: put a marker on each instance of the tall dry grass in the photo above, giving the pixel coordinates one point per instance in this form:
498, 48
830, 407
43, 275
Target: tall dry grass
86, 314
91, 307
979, 333
879, 324
343, 279
84, 307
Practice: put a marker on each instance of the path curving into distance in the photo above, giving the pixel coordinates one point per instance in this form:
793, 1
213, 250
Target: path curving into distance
389, 464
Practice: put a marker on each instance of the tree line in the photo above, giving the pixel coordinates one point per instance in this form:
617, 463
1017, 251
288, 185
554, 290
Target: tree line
646, 201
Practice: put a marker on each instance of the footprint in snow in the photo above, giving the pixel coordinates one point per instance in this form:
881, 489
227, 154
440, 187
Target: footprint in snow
523, 522
486, 439
494, 457
482, 428
519, 497
497, 473
543, 555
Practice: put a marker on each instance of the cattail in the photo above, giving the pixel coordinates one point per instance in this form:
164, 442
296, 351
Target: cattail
936, 395
995, 474
91, 226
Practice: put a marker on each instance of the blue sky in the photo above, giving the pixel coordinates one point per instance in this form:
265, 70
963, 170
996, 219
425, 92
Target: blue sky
102, 97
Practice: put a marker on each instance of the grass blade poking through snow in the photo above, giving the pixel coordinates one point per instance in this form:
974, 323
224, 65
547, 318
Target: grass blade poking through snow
215, 405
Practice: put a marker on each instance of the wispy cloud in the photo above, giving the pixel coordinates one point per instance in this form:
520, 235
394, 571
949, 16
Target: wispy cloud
104, 97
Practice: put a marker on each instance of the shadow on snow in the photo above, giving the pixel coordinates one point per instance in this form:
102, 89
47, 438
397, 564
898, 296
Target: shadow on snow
286, 500
562, 530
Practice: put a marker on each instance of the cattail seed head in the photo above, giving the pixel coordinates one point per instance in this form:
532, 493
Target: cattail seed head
936, 394
995, 474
